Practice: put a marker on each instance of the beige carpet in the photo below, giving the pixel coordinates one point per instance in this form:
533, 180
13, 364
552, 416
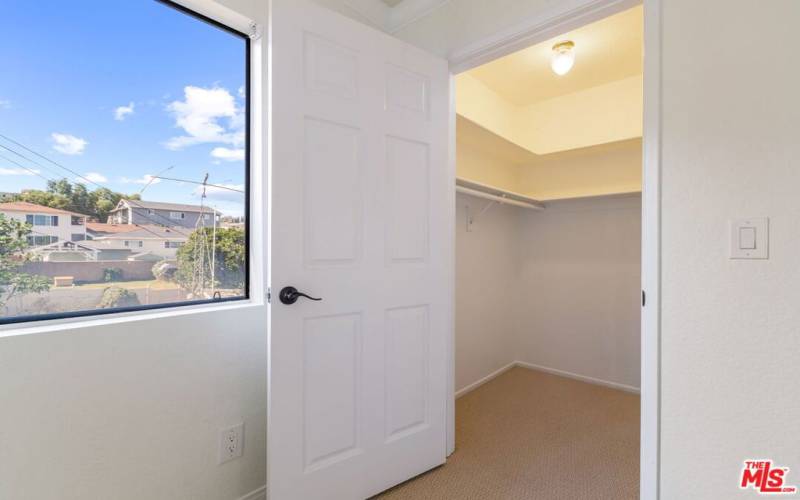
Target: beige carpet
530, 435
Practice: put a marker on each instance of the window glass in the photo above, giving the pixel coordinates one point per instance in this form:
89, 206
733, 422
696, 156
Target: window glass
128, 174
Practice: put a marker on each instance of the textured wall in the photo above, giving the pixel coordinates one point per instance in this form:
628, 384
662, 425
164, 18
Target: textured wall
559, 288
730, 336
580, 282
486, 277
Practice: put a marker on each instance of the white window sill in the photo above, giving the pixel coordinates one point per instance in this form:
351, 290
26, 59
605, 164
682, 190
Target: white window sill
65, 324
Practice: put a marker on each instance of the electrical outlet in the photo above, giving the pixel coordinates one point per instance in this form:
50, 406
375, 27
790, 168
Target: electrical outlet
231, 442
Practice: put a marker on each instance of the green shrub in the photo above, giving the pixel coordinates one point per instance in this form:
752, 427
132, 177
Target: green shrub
115, 296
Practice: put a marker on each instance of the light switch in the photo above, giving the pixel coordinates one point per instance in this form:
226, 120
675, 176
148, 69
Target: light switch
747, 238
750, 238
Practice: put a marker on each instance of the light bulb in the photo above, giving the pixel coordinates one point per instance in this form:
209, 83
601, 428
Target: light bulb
563, 57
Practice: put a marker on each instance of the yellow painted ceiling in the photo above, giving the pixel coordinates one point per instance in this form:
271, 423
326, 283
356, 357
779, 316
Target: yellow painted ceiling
490, 144
605, 51
604, 169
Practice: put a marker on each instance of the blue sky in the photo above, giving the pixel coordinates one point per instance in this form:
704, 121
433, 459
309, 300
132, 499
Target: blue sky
121, 90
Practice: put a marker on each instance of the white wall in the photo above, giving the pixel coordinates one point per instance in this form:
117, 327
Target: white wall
486, 280
132, 410
559, 289
579, 301
730, 338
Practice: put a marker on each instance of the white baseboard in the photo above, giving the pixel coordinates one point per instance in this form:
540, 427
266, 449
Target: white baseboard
475, 385
552, 371
582, 378
259, 494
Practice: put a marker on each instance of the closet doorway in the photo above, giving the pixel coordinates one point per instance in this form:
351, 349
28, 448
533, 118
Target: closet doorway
548, 271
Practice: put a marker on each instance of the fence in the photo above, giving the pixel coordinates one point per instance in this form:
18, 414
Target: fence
91, 272
82, 299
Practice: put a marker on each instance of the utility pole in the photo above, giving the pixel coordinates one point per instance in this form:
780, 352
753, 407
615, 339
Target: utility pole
201, 247
213, 252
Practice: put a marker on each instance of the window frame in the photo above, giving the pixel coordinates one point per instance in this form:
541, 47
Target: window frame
247, 294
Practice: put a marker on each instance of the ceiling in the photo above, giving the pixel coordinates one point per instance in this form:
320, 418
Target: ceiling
490, 144
605, 169
605, 51
387, 15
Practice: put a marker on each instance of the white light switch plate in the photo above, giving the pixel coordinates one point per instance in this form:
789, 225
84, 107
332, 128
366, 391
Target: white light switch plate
750, 238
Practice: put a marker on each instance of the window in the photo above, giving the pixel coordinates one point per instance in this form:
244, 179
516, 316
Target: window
42, 220
151, 87
38, 240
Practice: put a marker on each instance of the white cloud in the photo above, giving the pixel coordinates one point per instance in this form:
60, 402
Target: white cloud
228, 154
95, 177
17, 171
68, 144
220, 193
145, 179
121, 112
241, 92
5, 104
206, 115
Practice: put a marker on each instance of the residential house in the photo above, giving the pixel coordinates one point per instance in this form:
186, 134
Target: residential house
50, 225
161, 214
135, 241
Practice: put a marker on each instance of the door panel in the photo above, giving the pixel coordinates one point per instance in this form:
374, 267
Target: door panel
407, 358
407, 187
332, 196
331, 365
361, 209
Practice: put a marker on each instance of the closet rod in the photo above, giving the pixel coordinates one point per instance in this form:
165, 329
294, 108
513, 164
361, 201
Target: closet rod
499, 199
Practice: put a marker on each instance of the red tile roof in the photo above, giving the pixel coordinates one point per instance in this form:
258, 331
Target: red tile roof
24, 206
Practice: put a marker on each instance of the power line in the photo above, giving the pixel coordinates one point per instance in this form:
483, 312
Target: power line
49, 169
34, 172
200, 183
133, 202
154, 177
26, 148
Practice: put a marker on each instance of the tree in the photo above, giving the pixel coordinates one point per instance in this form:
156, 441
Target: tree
13, 246
194, 260
75, 197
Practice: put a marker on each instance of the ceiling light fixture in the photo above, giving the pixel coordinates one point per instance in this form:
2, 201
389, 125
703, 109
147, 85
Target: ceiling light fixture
563, 57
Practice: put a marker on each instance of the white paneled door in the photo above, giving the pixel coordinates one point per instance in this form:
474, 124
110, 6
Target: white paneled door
361, 217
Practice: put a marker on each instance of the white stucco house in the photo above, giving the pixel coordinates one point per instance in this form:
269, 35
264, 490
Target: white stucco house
49, 225
135, 241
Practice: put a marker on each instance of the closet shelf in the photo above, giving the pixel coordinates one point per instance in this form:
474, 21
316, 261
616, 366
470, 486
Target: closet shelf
496, 194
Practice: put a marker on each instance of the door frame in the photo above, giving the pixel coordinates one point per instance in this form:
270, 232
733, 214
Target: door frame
547, 24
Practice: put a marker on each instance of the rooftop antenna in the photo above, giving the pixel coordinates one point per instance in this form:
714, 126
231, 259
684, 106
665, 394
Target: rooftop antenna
154, 177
